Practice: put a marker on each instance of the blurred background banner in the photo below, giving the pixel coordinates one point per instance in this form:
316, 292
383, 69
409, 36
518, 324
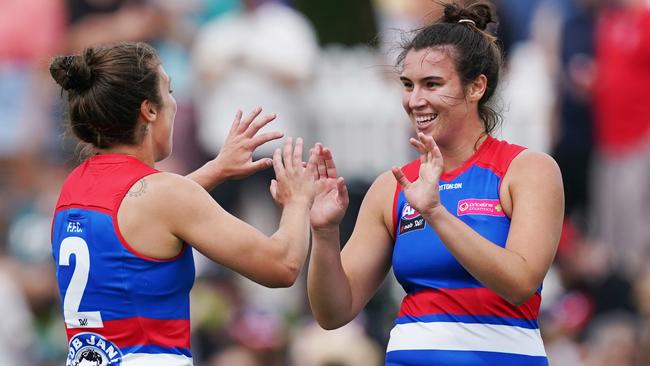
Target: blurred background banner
575, 83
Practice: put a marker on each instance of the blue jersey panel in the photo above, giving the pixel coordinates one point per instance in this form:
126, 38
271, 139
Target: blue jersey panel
121, 284
421, 260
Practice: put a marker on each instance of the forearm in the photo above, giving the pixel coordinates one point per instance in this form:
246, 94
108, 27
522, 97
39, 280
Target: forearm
502, 270
292, 236
208, 176
328, 287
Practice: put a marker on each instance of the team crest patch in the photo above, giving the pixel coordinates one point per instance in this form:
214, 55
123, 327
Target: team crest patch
410, 220
91, 349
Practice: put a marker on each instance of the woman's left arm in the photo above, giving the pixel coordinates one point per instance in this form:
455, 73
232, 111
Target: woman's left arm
532, 191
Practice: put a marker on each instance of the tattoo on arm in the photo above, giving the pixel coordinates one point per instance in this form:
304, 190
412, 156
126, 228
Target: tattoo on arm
138, 189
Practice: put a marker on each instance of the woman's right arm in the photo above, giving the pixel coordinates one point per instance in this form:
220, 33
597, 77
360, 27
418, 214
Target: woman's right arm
235, 158
340, 283
274, 261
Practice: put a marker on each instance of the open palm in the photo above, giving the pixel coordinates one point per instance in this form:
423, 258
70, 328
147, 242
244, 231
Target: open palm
331, 200
423, 194
236, 154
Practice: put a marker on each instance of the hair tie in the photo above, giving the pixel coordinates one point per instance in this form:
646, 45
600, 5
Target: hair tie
467, 21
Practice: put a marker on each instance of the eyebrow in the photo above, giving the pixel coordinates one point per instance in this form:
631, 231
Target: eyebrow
428, 78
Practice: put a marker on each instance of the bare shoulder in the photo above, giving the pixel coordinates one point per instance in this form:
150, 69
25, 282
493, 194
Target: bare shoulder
531, 176
163, 190
534, 165
382, 189
385, 182
378, 202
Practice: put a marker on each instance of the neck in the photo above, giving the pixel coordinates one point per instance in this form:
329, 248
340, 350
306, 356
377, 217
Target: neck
139, 152
456, 153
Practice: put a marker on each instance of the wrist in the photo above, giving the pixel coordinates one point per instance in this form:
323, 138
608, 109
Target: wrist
216, 170
325, 230
300, 202
434, 213
208, 175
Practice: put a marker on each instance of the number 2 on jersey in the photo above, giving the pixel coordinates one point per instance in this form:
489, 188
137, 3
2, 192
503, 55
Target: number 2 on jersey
72, 298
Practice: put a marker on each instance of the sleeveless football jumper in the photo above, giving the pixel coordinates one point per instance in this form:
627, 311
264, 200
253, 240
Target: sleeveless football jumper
447, 316
119, 306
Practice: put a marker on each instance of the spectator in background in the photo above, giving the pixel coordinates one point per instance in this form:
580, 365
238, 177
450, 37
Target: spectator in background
621, 171
30, 31
527, 87
612, 340
347, 346
25, 94
394, 17
261, 55
573, 143
95, 22
341, 22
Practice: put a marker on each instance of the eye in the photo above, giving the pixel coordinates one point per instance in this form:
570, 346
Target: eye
432, 84
170, 91
407, 85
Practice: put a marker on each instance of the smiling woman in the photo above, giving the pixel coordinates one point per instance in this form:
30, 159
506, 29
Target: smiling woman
470, 228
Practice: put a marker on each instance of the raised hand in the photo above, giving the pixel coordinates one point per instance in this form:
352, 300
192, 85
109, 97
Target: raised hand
294, 179
331, 200
423, 194
235, 159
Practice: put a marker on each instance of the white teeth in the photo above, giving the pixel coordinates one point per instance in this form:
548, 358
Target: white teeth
425, 119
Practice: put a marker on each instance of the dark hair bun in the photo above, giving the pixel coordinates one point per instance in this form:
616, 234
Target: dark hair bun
480, 13
71, 72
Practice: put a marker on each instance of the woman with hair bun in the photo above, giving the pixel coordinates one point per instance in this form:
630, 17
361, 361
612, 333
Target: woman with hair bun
122, 230
469, 229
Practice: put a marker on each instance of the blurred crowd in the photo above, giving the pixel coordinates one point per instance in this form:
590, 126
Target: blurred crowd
575, 81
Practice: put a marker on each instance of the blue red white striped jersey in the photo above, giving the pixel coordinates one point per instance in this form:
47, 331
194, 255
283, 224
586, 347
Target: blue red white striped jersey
120, 307
448, 317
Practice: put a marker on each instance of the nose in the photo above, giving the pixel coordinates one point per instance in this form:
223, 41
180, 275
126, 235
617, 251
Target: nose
416, 99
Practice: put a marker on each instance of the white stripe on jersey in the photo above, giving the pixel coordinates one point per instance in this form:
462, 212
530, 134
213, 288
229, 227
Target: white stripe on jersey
466, 337
150, 359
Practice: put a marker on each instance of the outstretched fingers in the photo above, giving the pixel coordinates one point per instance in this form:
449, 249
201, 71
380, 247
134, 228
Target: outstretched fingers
261, 164
417, 144
235, 123
287, 154
321, 170
243, 125
312, 164
257, 125
400, 177
330, 166
266, 137
427, 141
342, 190
278, 167
297, 154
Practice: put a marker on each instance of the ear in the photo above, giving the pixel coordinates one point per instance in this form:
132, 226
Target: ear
476, 88
148, 111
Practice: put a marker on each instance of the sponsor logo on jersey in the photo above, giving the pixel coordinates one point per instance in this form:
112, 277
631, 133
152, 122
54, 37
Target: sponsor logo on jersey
475, 206
91, 349
410, 220
448, 186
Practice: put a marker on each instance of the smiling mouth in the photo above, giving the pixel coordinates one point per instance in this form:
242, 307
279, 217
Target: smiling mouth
423, 120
